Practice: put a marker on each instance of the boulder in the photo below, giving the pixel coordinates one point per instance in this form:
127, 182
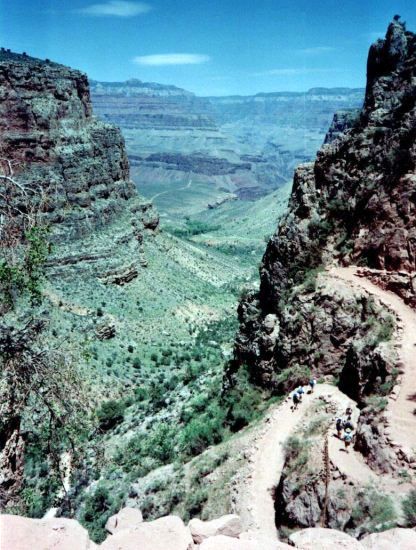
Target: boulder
221, 542
229, 525
125, 519
315, 538
20, 533
403, 539
167, 533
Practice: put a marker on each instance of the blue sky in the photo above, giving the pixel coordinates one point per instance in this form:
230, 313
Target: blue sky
211, 47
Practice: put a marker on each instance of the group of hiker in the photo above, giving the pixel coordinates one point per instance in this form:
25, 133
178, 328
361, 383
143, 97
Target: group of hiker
345, 428
343, 425
300, 391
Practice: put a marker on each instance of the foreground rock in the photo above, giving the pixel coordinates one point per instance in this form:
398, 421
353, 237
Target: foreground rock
19, 533
162, 534
129, 532
126, 518
227, 525
221, 542
324, 539
402, 539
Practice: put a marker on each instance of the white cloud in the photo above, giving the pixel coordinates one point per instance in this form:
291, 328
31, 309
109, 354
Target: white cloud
316, 50
294, 71
116, 8
171, 59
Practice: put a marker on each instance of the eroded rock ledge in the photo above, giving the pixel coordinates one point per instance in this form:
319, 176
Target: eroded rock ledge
56, 145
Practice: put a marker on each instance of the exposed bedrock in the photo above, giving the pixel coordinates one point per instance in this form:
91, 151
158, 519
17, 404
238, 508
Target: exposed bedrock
57, 146
356, 204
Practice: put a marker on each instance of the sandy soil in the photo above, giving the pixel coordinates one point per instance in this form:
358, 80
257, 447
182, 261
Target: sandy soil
403, 421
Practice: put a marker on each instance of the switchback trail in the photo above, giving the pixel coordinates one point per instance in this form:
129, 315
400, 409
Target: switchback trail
254, 487
403, 403
255, 503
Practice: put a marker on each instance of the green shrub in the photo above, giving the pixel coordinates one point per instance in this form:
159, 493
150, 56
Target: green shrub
201, 432
195, 501
243, 402
374, 511
140, 393
289, 378
110, 414
409, 508
99, 506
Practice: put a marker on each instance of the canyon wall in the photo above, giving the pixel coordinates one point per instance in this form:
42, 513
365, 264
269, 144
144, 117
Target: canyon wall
56, 145
355, 204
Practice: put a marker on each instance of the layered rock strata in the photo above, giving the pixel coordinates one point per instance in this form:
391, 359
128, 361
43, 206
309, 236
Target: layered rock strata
76, 164
355, 205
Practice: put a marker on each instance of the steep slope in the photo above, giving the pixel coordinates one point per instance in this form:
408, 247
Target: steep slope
61, 165
355, 204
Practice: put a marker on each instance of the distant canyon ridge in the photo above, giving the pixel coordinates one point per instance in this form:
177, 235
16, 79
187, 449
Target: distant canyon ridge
216, 148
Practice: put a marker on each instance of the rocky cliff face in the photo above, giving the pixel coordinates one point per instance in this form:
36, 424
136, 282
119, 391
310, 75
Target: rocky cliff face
77, 170
354, 205
54, 142
251, 145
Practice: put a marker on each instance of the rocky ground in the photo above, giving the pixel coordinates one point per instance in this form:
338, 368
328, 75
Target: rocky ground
127, 531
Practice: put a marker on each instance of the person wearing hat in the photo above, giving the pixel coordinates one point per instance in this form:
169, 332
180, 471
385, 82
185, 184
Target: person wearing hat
347, 438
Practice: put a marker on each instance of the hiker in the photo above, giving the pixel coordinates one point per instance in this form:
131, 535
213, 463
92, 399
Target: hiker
312, 384
347, 439
348, 425
339, 425
300, 391
296, 400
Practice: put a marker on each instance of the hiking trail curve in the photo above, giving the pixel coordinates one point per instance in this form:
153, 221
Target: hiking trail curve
254, 487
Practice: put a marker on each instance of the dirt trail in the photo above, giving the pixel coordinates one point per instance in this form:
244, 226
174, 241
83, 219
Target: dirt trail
403, 401
254, 499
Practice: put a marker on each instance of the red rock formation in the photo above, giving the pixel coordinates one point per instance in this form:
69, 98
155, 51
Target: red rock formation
55, 143
356, 204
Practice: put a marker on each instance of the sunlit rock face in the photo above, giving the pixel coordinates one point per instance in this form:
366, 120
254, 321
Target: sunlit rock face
56, 145
356, 204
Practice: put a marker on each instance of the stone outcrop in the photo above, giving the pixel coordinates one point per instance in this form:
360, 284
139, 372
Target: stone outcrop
341, 123
163, 533
169, 533
401, 283
403, 539
77, 163
229, 526
221, 542
355, 205
324, 539
19, 533
126, 518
